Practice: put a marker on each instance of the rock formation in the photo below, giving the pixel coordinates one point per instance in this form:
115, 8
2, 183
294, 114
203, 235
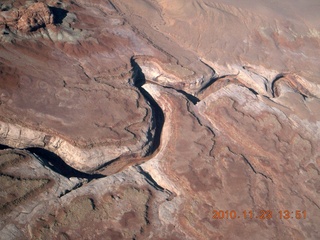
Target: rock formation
36, 16
159, 120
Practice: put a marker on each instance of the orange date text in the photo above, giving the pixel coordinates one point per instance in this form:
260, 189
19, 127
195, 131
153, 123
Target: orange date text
260, 214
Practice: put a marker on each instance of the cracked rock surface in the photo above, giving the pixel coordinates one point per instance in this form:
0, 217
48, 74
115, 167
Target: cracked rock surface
159, 119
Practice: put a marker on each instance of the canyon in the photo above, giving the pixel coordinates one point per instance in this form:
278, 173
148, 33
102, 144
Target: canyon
157, 119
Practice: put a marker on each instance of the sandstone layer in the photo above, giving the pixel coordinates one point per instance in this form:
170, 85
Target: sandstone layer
159, 119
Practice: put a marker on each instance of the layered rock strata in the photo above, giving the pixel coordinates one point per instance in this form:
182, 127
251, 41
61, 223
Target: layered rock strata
157, 119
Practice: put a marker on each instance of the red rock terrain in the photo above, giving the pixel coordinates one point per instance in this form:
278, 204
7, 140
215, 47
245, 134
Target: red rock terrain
159, 120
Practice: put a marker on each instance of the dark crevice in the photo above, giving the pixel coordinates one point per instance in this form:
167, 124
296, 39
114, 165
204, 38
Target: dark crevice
106, 165
190, 97
159, 121
58, 14
209, 83
154, 184
274, 87
213, 80
249, 163
138, 81
256, 172
3, 147
253, 91
198, 119
93, 205
279, 76
304, 96
56, 164
138, 77
149, 179
146, 214
78, 185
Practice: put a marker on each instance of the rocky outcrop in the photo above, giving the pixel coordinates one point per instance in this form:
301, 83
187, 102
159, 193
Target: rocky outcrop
116, 119
242, 152
227, 33
36, 16
59, 207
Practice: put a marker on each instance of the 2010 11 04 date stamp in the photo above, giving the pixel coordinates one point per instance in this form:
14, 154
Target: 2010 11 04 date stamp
261, 214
